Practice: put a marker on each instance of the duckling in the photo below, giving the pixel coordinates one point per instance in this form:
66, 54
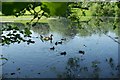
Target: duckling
18, 69
46, 38
116, 37
106, 60
12, 73
82, 52
38, 73
63, 39
52, 48
60, 42
63, 53
56, 43
110, 60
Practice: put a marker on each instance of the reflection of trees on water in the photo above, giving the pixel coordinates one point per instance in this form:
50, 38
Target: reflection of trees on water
67, 28
63, 26
96, 25
76, 68
19, 25
117, 26
41, 28
11, 33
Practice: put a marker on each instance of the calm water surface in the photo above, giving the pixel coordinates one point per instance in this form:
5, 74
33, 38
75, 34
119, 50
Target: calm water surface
38, 61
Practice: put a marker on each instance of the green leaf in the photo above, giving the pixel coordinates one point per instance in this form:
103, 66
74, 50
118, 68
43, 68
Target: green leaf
4, 58
56, 8
11, 8
83, 13
27, 31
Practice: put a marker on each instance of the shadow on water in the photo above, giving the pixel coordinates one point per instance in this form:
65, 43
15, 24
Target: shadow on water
76, 50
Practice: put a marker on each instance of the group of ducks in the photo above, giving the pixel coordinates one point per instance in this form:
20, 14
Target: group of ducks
50, 38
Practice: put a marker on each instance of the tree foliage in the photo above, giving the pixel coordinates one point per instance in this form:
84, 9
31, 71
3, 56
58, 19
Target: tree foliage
62, 9
11, 8
56, 8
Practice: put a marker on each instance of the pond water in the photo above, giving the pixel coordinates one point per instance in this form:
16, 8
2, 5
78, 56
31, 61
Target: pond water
90, 52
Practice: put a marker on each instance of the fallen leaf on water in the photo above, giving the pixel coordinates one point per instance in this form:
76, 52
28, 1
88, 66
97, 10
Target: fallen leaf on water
4, 58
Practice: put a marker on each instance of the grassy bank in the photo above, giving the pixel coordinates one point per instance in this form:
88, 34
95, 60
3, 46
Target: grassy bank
24, 19
20, 19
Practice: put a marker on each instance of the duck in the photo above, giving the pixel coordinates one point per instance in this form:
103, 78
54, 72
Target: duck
63, 53
46, 38
52, 48
82, 52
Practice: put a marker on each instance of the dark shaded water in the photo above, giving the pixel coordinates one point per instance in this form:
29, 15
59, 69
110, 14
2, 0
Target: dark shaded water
100, 58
